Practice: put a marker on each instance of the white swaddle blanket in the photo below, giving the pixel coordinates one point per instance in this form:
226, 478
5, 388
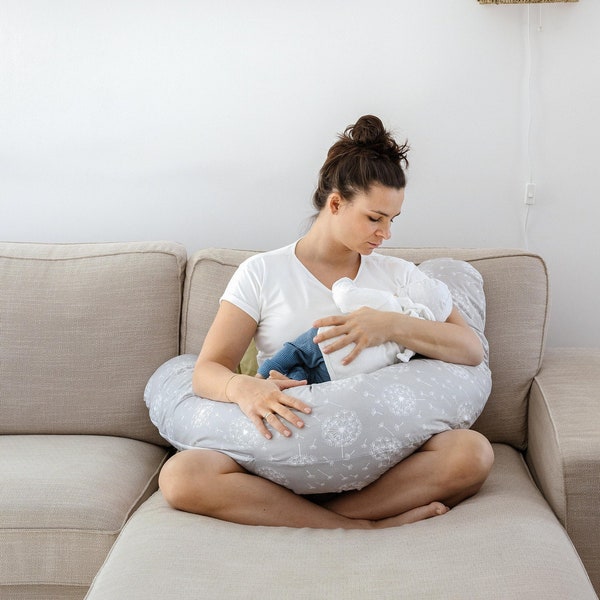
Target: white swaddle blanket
428, 299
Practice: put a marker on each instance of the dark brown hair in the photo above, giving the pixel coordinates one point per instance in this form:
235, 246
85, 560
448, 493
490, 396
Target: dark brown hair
365, 154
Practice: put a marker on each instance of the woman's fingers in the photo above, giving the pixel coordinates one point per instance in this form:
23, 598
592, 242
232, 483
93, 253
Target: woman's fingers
336, 339
284, 382
279, 411
274, 409
364, 327
336, 343
272, 418
259, 423
332, 324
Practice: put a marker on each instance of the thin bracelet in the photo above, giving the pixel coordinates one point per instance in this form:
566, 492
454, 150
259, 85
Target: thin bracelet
227, 385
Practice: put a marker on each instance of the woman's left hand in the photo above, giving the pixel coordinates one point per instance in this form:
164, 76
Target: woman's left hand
364, 327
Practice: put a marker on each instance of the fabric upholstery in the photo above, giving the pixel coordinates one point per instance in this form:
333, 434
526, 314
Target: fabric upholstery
63, 501
516, 289
75, 353
83, 327
223, 560
564, 446
43, 592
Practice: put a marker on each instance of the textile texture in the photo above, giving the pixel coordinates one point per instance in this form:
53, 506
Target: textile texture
564, 449
504, 544
64, 500
83, 326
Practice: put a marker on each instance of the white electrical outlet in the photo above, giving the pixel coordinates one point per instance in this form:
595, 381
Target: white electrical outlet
530, 193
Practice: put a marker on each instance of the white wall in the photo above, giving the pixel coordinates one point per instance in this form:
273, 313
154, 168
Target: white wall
206, 122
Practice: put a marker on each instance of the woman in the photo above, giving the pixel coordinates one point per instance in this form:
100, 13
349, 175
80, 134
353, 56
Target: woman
360, 193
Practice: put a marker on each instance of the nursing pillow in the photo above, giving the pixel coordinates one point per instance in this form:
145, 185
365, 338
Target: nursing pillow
359, 426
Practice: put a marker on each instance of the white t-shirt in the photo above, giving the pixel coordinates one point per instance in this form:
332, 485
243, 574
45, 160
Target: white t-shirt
285, 298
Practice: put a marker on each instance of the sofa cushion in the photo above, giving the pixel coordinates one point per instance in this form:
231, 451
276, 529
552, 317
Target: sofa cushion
63, 501
504, 543
83, 327
516, 290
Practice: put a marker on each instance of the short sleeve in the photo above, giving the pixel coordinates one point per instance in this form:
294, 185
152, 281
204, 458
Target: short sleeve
244, 288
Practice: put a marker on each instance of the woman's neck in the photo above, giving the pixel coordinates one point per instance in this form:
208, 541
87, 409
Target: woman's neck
326, 258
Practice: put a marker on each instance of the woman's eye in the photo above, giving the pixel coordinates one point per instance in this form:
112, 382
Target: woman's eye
374, 220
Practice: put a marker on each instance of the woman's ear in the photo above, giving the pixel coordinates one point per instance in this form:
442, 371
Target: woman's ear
334, 202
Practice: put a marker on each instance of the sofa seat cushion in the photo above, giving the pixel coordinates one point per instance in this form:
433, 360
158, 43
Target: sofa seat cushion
64, 500
503, 543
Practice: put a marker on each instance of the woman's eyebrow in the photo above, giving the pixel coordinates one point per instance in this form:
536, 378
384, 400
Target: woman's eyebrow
384, 214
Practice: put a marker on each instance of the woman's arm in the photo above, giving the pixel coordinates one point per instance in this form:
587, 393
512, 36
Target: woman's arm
215, 378
452, 341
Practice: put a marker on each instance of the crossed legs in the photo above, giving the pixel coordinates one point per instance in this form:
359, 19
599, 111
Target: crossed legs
448, 468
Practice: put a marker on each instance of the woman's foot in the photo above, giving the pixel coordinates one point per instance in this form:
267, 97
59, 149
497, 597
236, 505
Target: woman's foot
420, 513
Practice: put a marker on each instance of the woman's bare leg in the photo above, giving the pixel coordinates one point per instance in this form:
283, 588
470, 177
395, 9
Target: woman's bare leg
210, 483
449, 468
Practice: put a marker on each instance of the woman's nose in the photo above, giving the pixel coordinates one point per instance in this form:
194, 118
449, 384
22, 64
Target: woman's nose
385, 232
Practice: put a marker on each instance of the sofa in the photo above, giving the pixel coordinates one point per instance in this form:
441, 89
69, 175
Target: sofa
84, 326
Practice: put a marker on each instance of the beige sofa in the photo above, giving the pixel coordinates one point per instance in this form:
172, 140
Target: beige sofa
84, 326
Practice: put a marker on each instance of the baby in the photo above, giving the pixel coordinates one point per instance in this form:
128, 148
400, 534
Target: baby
303, 359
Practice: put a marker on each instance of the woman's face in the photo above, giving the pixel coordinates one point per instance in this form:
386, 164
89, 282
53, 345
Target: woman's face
364, 223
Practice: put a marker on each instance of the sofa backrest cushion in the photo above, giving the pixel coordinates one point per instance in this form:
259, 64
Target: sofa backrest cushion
82, 328
516, 287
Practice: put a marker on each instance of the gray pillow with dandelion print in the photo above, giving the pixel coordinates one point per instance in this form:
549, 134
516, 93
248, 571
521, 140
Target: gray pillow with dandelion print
359, 427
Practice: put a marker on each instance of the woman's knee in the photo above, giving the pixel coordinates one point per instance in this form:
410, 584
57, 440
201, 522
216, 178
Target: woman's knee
173, 480
187, 479
470, 459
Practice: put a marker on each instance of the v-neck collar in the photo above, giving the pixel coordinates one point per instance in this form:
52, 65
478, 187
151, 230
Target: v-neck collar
312, 276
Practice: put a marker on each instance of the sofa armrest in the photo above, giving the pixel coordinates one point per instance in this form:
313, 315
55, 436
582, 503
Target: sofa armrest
564, 445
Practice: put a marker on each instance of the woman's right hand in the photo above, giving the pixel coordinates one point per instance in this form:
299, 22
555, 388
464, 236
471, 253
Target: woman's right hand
263, 402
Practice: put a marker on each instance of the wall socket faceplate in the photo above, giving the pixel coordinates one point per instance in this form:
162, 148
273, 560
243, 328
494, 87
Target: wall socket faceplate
530, 193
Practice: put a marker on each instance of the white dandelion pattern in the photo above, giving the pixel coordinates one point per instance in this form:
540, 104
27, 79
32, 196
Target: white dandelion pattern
341, 429
273, 475
203, 413
243, 433
384, 449
400, 399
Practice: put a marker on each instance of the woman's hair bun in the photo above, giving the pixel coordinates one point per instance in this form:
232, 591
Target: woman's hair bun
369, 132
